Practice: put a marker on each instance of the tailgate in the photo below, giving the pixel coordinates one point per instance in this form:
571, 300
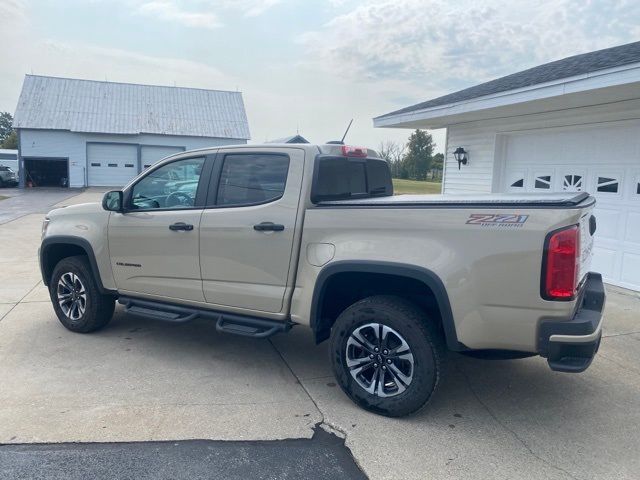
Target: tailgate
587, 231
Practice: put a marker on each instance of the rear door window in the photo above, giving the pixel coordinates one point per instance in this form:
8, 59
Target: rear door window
250, 179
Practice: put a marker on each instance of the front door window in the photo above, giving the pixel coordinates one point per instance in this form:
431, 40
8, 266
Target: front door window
173, 185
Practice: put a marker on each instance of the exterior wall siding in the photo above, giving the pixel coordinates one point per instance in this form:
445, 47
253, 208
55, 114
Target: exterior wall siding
72, 145
482, 141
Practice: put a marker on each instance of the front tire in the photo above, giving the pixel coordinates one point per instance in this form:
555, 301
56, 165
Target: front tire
76, 299
387, 355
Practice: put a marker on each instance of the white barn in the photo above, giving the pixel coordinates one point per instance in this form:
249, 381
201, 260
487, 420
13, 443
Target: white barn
569, 125
90, 133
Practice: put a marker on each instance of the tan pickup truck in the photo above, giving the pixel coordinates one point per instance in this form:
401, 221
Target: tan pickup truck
262, 238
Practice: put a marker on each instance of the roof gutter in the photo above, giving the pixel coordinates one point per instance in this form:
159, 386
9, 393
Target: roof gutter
580, 83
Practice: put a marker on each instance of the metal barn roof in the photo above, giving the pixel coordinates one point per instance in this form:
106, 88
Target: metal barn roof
567, 67
125, 108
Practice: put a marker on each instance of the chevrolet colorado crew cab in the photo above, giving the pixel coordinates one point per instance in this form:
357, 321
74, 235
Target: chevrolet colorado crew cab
261, 238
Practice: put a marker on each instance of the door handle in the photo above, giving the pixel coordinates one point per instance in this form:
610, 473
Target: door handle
268, 227
181, 226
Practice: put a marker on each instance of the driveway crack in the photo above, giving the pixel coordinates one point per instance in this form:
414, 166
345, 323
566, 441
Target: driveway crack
323, 421
511, 431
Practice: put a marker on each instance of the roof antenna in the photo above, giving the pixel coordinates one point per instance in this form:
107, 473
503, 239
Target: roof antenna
341, 142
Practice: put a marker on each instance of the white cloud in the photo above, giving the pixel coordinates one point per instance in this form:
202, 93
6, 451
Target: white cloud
251, 8
442, 45
170, 11
200, 14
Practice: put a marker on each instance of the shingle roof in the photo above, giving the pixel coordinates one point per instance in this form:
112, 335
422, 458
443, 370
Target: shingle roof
125, 108
567, 67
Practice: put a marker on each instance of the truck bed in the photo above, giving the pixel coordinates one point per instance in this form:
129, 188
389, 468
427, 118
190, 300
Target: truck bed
521, 200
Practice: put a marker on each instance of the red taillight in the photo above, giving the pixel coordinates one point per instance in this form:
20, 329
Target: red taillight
349, 151
560, 270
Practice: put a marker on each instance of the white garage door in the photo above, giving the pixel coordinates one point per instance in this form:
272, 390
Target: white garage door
151, 154
111, 165
604, 161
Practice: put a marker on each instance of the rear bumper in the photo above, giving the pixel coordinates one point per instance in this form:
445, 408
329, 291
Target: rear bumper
570, 346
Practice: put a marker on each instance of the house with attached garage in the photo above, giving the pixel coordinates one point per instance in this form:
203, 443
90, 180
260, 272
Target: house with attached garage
568, 125
91, 133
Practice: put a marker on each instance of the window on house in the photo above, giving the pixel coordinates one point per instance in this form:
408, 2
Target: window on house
113, 164
572, 183
518, 183
95, 164
543, 182
607, 185
638, 188
128, 165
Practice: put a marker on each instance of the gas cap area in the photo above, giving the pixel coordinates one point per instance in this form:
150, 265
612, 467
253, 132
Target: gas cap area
319, 254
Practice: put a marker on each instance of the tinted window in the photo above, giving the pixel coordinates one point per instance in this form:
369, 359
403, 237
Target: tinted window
249, 179
341, 178
173, 185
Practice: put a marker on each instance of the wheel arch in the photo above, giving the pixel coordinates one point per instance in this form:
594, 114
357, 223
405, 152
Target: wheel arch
56, 248
321, 324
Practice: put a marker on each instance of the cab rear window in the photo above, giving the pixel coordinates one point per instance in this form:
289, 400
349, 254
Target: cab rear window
340, 178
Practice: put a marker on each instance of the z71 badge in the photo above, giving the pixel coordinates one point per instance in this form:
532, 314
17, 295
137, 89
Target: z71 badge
497, 220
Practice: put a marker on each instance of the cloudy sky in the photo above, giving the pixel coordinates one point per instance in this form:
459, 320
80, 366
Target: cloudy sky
304, 64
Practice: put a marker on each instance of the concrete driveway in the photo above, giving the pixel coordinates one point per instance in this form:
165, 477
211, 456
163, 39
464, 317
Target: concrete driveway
139, 380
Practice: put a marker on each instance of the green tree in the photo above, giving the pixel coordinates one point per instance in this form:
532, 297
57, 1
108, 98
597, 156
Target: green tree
10, 141
419, 156
6, 125
437, 165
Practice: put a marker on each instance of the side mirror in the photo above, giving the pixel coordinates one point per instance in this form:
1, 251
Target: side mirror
112, 201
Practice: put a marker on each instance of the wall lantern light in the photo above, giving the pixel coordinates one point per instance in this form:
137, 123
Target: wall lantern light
461, 156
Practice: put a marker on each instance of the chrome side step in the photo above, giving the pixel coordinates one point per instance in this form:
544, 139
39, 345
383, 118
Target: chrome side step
245, 326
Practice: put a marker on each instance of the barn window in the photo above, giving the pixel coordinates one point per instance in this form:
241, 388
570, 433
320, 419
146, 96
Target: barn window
518, 183
607, 185
95, 164
572, 183
128, 165
543, 182
113, 164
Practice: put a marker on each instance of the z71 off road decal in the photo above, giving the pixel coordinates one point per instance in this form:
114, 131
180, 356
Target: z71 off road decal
497, 220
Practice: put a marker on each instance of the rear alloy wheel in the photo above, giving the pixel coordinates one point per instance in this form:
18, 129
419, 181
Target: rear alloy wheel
387, 355
75, 296
379, 360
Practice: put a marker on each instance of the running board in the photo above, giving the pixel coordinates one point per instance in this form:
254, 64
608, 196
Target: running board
225, 322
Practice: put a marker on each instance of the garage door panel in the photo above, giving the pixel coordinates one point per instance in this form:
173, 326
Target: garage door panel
150, 154
111, 165
608, 221
631, 268
632, 233
601, 160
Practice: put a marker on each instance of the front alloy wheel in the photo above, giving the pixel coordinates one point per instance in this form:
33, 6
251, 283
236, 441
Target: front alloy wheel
76, 298
72, 296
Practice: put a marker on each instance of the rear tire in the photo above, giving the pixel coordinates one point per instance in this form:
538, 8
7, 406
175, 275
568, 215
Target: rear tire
399, 377
76, 299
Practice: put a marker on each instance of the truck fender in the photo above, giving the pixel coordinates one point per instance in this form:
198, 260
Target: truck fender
62, 240
425, 276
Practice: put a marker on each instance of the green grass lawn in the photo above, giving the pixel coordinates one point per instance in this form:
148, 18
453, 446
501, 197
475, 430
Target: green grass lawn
415, 186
